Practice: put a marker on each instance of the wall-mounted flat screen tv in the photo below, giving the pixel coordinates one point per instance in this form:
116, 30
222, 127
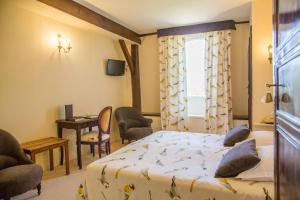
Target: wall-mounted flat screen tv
115, 67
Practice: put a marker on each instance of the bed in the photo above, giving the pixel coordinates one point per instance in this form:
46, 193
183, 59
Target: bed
169, 165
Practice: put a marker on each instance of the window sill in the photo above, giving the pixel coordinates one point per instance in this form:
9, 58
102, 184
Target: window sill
196, 116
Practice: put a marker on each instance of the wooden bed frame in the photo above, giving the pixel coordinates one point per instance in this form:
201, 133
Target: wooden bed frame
286, 18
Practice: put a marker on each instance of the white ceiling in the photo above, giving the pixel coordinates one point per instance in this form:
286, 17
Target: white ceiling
145, 16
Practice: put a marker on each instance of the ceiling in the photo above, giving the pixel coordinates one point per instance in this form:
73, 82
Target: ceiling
146, 16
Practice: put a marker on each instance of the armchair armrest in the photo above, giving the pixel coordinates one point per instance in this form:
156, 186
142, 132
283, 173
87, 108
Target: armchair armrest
122, 124
25, 161
147, 121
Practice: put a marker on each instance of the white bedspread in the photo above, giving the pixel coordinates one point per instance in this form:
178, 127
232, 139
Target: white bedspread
169, 166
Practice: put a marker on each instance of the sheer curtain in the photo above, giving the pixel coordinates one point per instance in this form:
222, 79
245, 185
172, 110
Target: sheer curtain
218, 117
173, 95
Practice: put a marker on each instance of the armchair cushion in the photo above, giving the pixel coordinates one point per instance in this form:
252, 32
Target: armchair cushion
138, 133
7, 161
19, 179
93, 137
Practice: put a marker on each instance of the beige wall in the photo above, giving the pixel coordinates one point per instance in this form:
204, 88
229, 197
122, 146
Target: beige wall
262, 69
149, 64
36, 81
149, 72
239, 69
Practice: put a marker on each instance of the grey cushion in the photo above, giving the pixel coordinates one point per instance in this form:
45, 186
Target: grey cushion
19, 174
10, 146
138, 133
7, 161
19, 179
236, 134
237, 160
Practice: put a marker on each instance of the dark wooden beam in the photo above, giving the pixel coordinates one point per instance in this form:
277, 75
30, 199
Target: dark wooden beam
155, 33
77, 10
133, 62
135, 78
148, 34
242, 22
127, 55
198, 28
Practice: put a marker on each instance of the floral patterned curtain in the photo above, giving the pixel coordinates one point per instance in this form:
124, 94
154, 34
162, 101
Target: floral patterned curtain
173, 95
218, 117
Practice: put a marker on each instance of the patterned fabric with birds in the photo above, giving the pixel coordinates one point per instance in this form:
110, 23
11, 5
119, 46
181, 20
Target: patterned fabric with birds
173, 91
169, 165
218, 118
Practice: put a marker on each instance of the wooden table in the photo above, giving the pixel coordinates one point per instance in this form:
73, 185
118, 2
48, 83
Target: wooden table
77, 125
47, 144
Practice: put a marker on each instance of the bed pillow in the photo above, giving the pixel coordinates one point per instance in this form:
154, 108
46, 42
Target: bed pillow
236, 134
264, 170
238, 159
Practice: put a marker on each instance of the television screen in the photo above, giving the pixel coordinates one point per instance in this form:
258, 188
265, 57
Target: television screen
115, 67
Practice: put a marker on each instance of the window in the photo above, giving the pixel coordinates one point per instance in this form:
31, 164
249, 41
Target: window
195, 50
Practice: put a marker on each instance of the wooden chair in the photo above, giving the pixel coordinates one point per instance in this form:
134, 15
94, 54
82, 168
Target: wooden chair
102, 136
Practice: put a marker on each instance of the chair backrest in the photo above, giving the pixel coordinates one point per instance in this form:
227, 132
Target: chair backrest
10, 146
104, 121
124, 113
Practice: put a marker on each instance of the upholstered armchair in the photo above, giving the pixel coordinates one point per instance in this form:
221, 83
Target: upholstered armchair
132, 124
18, 174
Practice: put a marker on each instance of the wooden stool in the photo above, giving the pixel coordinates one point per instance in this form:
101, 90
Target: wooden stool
47, 144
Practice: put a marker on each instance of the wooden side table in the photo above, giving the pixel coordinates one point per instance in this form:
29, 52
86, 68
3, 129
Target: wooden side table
47, 144
77, 125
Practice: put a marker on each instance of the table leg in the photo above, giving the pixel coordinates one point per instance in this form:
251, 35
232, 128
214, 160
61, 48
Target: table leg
67, 158
90, 128
59, 133
51, 159
32, 155
78, 140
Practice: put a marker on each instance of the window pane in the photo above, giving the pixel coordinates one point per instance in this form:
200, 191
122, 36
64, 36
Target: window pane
196, 106
195, 50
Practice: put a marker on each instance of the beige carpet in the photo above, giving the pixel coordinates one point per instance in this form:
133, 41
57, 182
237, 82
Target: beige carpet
62, 188
57, 186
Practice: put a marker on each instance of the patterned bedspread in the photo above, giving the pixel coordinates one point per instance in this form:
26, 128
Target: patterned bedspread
169, 166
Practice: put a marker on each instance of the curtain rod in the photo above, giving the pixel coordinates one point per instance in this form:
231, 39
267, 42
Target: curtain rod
155, 33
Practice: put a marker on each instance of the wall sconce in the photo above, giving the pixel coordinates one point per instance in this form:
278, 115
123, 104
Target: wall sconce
267, 98
270, 51
63, 44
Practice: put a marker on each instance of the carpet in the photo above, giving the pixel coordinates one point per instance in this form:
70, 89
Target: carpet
62, 188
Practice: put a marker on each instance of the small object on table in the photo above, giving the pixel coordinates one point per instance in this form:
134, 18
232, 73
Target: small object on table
69, 111
90, 116
47, 144
78, 126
